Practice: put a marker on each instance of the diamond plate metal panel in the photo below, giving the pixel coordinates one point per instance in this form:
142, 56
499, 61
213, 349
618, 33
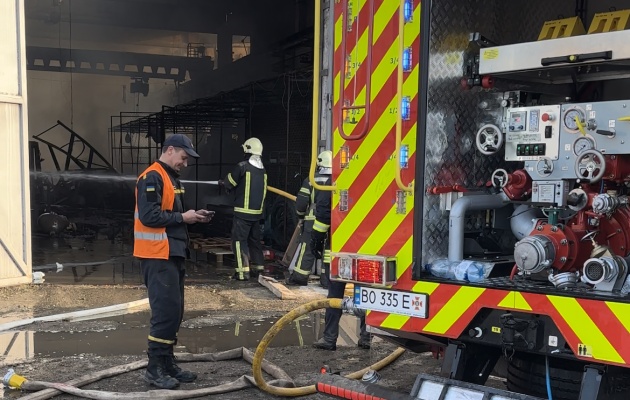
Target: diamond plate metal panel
455, 115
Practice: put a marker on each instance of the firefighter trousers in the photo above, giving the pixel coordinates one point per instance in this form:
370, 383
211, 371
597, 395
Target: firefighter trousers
306, 259
333, 315
164, 280
248, 251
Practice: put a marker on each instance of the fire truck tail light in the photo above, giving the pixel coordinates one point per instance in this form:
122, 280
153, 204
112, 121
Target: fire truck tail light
376, 270
370, 271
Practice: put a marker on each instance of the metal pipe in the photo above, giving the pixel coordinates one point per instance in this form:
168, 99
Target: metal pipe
457, 215
316, 100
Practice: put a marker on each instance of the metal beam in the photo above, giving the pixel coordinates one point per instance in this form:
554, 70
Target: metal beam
184, 16
116, 63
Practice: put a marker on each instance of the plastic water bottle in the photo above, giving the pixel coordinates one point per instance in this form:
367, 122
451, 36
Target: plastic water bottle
467, 270
443, 268
470, 271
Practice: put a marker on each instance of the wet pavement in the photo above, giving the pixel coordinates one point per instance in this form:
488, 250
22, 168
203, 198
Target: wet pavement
127, 335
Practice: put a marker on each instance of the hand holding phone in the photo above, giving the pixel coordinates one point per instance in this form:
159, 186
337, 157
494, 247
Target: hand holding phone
205, 214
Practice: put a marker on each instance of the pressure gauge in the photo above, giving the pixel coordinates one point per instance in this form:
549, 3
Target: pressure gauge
570, 119
582, 144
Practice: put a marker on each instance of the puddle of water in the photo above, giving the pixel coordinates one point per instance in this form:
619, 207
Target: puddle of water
131, 337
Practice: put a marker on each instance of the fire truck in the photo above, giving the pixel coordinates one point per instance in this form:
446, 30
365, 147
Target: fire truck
488, 137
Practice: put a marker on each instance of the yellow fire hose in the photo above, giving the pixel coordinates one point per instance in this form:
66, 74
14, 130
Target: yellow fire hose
277, 327
281, 193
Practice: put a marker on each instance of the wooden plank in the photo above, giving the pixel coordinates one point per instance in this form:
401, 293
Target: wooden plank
277, 288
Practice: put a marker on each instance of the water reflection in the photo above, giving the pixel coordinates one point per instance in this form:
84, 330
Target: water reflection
128, 337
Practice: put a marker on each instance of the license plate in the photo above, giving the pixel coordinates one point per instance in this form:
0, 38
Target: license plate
391, 301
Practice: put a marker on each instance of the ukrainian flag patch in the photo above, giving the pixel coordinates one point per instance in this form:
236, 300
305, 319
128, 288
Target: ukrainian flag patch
150, 188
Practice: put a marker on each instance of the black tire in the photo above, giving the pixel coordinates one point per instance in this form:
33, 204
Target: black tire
527, 375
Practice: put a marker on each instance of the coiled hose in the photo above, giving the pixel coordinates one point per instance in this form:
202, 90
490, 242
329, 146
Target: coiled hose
277, 327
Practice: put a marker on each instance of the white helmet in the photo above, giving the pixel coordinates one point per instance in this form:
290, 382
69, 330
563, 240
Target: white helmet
253, 146
324, 159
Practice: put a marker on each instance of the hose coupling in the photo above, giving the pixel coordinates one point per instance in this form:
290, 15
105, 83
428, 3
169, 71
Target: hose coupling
347, 305
13, 380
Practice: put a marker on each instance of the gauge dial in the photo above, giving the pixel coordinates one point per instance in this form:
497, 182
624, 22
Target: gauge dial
570, 117
582, 144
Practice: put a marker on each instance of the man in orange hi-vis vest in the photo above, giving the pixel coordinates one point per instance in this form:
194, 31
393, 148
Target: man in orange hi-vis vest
161, 243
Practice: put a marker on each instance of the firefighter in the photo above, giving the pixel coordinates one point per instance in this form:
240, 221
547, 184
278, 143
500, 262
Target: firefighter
161, 243
248, 180
305, 209
320, 245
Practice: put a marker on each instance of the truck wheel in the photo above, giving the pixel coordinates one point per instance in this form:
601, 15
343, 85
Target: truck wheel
526, 374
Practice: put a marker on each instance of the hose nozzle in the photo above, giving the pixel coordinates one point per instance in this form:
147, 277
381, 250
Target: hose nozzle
13, 380
347, 305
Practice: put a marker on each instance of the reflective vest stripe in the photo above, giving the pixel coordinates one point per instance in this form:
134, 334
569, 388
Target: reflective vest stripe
150, 236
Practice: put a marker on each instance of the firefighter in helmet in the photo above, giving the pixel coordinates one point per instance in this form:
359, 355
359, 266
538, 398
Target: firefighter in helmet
320, 245
305, 209
248, 180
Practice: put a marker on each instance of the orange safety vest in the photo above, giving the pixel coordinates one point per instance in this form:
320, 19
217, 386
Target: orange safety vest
153, 242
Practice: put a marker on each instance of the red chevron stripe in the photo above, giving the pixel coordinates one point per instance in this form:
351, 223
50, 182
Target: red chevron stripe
351, 38
442, 295
376, 318
489, 298
367, 175
540, 304
380, 50
383, 43
376, 214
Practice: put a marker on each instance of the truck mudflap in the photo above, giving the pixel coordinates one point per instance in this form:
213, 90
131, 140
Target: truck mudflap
426, 387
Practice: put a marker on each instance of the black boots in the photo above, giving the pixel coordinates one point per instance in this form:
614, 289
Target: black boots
323, 344
296, 279
156, 374
176, 372
164, 373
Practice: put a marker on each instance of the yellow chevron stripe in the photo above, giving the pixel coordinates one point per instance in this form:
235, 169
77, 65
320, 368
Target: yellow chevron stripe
394, 321
364, 204
520, 303
337, 33
380, 75
392, 220
622, 312
585, 329
359, 53
451, 311
515, 301
425, 287
508, 301
370, 143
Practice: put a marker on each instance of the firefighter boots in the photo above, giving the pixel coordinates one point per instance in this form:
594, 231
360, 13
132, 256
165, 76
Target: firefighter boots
176, 372
156, 374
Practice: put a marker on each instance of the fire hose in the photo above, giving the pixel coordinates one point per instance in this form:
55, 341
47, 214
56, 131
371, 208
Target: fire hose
282, 385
